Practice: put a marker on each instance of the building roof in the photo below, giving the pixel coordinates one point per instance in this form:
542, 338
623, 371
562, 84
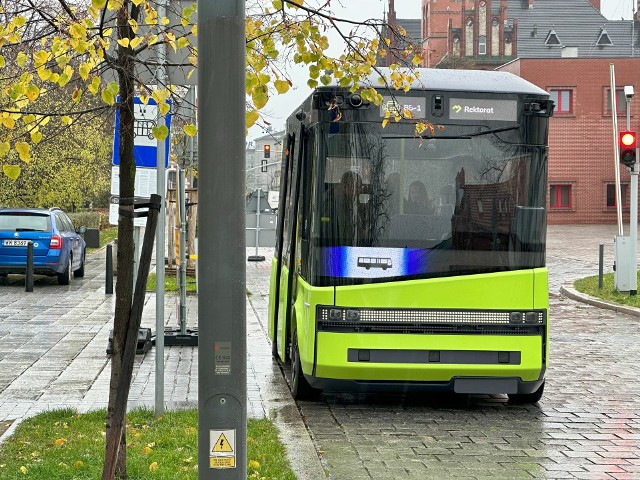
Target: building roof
413, 26
553, 29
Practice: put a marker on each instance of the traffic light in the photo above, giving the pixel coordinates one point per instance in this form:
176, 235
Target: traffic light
267, 151
627, 143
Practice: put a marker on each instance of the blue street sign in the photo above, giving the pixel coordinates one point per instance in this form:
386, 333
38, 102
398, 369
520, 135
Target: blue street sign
145, 146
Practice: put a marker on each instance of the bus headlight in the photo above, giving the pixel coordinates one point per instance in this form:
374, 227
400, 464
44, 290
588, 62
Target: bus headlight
335, 314
515, 317
353, 315
531, 317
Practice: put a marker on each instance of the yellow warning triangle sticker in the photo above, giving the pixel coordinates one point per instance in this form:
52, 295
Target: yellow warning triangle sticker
222, 445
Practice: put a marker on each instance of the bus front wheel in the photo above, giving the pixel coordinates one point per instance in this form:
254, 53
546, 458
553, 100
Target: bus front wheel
524, 398
300, 388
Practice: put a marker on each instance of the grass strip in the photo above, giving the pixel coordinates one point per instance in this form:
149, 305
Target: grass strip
170, 283
608, 293
65, 445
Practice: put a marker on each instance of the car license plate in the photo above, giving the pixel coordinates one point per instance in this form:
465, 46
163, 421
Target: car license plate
15, 243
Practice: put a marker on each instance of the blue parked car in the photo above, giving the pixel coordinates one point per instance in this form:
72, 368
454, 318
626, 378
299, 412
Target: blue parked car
58, 249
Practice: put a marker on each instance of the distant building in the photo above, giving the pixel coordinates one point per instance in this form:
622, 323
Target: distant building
263, 157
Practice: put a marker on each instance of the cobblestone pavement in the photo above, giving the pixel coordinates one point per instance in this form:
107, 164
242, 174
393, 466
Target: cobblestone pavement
586, 427
52, 354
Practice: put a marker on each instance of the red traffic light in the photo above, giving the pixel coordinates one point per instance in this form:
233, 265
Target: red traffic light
627, 143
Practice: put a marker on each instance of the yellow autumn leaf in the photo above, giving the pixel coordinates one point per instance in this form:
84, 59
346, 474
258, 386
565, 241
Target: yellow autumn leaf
24, 470
84, 70
164, 21
164, 108
190, 130
133, 24
98, 3
385, 122
44, 73
94, 85
2, 62
23, 151
108, 97
183, 42
4, 148
260, 97
282, 86
160, 133
59, 441
36, 137
13, 172
78, 464
33, 92
21, 59
254, 465
153, 467
8, 123
251, 118
147, 449
123, 42
66, 120
160, 95
135, 42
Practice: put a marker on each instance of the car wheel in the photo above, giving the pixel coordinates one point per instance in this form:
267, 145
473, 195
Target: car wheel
525, 398
64, 278
300, 388
80, 271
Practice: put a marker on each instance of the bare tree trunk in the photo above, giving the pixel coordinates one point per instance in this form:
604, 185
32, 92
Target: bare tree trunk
115, 451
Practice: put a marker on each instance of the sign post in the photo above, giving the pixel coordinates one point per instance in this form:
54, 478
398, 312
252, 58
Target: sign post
222, 357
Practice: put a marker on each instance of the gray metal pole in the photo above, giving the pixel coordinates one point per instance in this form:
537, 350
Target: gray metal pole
108, 286
258, 220
222, 351
160, 232
136, 254
600, 265
633, 217
28, 279
182, 211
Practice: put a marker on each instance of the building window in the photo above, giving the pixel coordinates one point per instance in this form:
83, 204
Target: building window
621, 101
482, 45
563, 100
611, 195
560, 196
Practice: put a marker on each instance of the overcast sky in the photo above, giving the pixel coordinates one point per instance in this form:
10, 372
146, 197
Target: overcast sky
280, 106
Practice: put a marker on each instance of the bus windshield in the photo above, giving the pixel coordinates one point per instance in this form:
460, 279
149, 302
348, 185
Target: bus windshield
391, 205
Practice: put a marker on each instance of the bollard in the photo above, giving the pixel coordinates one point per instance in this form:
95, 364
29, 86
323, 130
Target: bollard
600, 264
28, 281
108, 286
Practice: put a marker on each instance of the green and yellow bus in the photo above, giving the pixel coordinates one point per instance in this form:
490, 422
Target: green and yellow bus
415, 261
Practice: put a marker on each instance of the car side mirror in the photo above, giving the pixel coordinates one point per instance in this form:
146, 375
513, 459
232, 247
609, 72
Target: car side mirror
82, 230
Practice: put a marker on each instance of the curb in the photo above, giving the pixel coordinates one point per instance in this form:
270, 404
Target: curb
569, 291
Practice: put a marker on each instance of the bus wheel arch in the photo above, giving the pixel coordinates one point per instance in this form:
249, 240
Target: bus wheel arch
300, 388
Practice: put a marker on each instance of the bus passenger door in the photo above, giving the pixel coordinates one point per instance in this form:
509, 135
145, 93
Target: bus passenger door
290, 228
274, 286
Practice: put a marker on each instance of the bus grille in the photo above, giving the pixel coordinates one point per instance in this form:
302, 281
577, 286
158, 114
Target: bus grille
434, 321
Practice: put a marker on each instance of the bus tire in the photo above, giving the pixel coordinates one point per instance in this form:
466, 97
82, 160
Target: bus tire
300, 388
526, 398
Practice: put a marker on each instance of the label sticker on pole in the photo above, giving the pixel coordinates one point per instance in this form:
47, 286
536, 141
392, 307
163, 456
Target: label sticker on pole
222, 365
222, 450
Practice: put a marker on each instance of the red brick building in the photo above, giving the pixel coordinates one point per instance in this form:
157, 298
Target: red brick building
581, 142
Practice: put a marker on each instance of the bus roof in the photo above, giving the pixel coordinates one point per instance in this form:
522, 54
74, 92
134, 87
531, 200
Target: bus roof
487, 81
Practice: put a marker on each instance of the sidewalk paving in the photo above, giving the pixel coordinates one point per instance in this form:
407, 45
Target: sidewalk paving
53, 344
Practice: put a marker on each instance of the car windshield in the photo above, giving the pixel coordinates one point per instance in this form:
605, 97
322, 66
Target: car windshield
20, 221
